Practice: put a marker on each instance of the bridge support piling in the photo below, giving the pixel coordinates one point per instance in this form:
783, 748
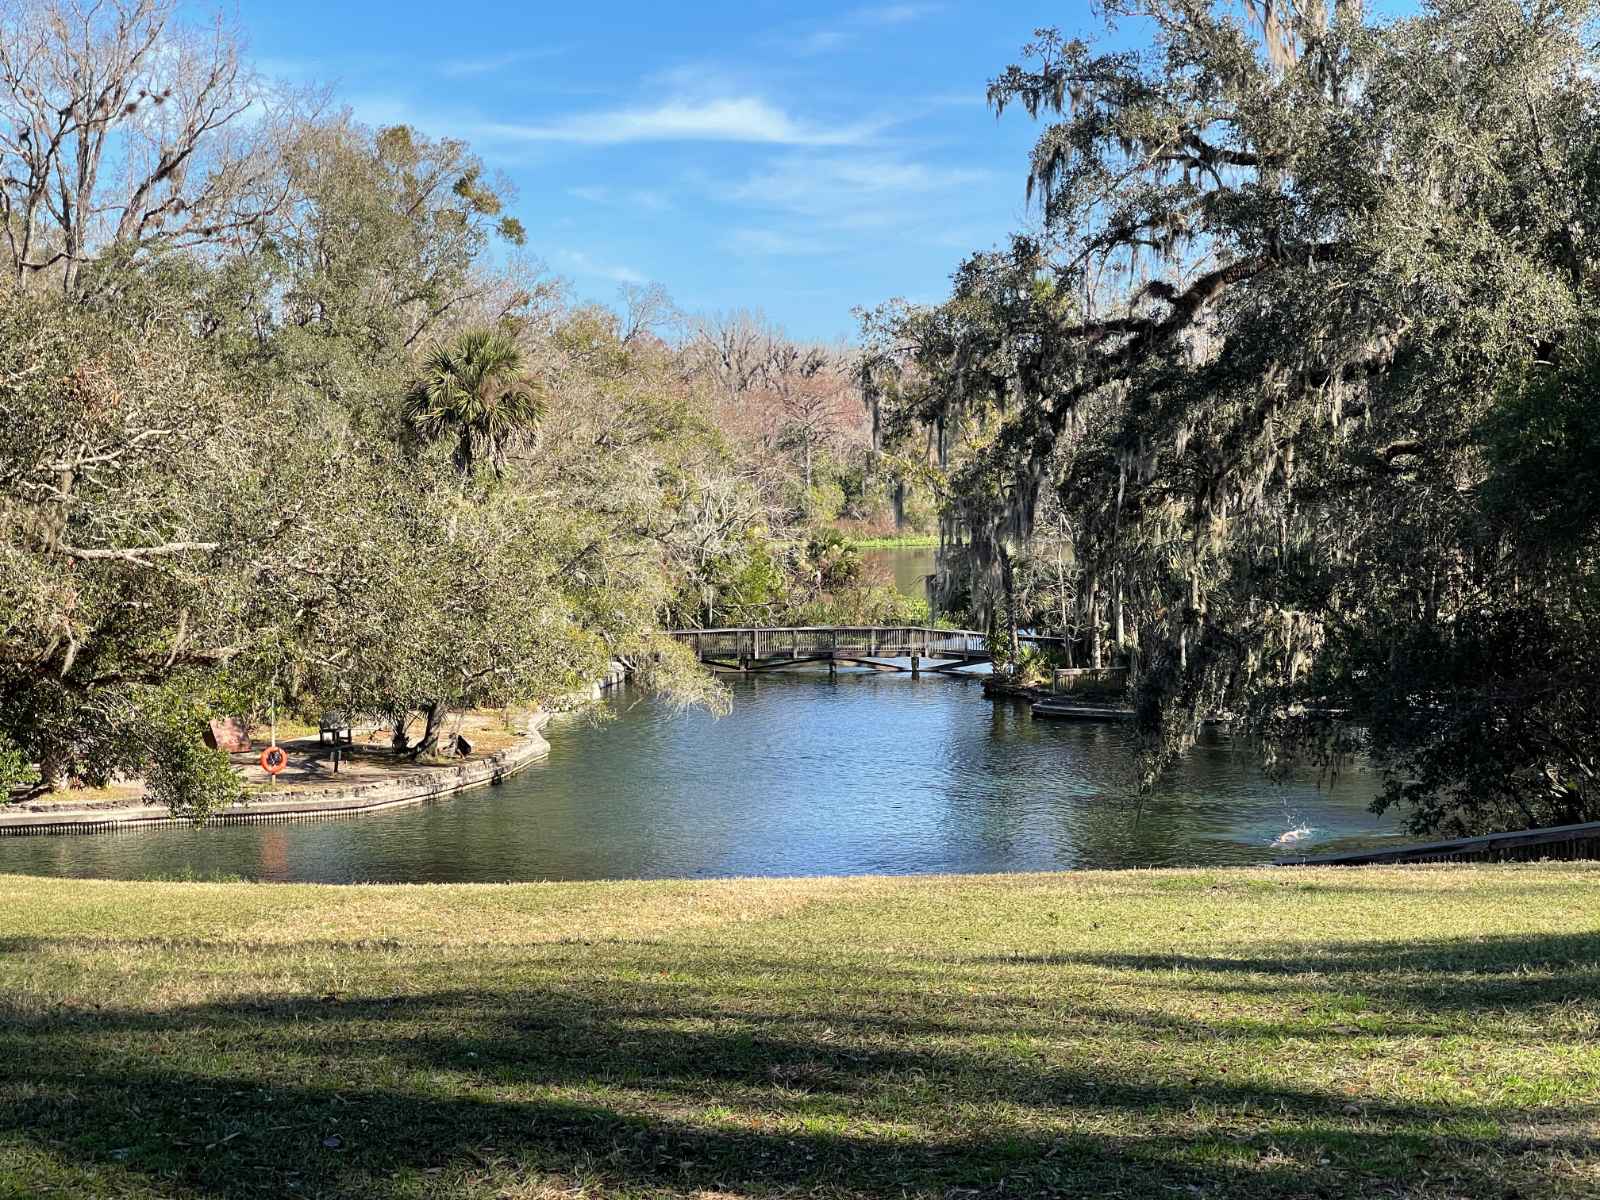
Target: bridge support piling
916, 663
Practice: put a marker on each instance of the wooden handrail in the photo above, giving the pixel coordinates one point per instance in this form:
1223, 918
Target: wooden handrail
869, 630
1494, 843
760, 647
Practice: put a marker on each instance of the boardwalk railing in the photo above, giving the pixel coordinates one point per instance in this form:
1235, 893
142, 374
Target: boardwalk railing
1563, 842
842, 641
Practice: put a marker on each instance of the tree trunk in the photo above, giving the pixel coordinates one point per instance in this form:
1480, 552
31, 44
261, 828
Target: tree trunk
398, 739
1118, 629
1008, 585
1093, 613
1061, 601
430, 736
52, 774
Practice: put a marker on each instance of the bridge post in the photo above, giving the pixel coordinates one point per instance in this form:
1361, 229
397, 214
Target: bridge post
915, 662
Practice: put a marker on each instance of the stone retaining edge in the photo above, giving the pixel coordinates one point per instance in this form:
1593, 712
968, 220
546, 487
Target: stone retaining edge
328, 804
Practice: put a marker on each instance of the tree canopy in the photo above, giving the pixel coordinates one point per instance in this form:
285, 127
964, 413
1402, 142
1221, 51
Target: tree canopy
1293, 364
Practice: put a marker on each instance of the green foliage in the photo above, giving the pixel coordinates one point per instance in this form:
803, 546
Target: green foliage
823, 503
751, 584
830, 559
16, 772
1031, 665
1291, 398
182, 772
891, 542
862, 603
223, 505
1542, 442
475, 391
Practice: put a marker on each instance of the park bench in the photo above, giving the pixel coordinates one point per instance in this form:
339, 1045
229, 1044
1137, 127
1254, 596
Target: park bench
337, 726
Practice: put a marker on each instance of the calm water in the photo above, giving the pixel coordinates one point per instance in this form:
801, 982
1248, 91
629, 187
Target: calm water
866, 773
907, 567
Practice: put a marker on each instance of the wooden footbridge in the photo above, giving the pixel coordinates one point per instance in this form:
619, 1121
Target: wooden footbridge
910, 648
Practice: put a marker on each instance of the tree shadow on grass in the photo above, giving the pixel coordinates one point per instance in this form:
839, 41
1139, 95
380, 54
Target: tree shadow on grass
655, 1091
1457, 974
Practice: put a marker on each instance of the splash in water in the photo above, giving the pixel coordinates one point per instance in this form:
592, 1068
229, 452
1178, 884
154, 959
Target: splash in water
1290, 837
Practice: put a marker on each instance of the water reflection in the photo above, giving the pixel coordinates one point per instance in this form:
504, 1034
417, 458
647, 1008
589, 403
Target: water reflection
865, 773
907, 567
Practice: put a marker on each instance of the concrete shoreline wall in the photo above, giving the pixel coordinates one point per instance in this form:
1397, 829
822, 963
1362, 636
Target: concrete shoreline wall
327, 803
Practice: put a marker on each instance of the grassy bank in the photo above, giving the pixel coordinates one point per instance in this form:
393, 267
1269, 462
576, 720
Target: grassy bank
1423, 1032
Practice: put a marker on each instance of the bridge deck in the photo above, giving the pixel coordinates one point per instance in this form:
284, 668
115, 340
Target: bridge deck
757, 649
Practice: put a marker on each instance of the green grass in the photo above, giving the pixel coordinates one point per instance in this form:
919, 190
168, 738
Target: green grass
1421, 1032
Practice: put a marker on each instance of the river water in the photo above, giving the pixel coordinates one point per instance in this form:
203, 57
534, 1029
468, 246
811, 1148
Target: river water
907, 567
863, 773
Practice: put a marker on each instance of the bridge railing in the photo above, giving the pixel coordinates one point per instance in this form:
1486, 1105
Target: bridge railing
865, 641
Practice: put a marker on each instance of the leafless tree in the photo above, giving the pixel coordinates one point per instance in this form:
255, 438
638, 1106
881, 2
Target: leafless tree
647, 311
808, 392
733, 349
123, 132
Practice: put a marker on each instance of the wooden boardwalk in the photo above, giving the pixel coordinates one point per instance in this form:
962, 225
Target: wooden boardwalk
910, 648
1562, 842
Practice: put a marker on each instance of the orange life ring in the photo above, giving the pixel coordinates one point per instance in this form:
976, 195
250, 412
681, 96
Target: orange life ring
273, 760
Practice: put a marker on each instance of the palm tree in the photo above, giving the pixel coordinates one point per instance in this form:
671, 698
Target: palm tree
475, 389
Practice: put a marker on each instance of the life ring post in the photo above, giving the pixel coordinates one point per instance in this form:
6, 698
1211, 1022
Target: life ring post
273, 760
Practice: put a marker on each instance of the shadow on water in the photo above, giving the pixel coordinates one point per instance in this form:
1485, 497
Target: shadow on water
642, 1085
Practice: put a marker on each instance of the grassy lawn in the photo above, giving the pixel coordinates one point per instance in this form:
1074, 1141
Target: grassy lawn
1418, 1032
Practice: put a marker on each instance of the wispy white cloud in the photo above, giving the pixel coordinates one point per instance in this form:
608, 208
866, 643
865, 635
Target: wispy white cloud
377, 108
584, 264
857, 23
749, 120
645, 199
810, 204
730, 119
884, 15
852, 191
774, 243
492, 64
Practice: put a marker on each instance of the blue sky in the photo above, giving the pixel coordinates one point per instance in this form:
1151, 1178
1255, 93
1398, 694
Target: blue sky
795, 158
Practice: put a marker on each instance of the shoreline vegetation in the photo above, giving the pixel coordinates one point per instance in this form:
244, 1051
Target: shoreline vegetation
371, 776
1247, 1033
304, 430
368, 781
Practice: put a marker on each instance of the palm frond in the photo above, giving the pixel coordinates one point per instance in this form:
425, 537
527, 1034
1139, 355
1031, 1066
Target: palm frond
477, 390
